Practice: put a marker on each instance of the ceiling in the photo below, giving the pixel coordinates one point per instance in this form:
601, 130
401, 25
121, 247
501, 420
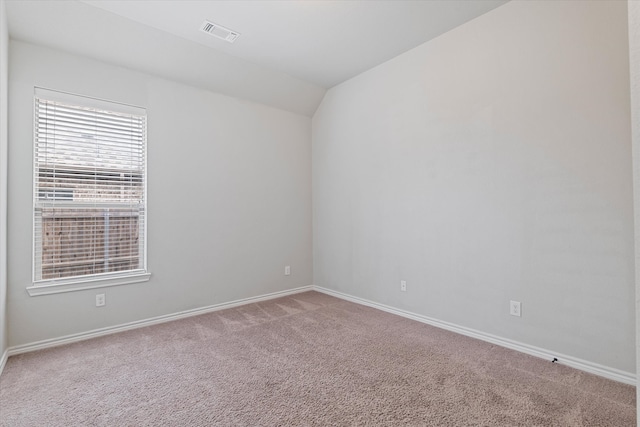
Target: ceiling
287, 55
321, 42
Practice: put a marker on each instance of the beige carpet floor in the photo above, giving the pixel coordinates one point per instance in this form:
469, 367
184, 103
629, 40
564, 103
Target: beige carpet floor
303, 360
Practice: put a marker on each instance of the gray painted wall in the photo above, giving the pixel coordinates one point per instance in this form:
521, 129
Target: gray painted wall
4, 59
490, 164
229, 197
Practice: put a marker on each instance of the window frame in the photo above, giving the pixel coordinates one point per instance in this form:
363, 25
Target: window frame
96, 280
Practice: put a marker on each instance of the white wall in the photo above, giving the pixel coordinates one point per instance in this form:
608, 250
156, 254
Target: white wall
4, 60
492, 163
634, 67
229, 197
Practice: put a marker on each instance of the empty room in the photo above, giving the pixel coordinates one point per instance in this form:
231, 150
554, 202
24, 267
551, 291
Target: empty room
319, 212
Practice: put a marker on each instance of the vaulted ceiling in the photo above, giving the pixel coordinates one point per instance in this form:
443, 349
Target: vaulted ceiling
287, 55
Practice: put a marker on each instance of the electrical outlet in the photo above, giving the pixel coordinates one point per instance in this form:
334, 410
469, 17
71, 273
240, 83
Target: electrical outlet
515, 308
287, 270
403, 285
100, 300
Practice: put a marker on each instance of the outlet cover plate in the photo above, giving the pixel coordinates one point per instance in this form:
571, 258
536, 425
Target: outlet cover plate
100, 300
515, 308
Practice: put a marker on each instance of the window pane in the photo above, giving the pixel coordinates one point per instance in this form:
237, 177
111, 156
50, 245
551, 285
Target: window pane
89, 190
89, 241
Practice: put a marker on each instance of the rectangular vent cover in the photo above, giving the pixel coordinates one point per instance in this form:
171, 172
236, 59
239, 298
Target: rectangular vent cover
219, 31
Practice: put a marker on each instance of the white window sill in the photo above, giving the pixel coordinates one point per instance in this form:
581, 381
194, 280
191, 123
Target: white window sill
81, 284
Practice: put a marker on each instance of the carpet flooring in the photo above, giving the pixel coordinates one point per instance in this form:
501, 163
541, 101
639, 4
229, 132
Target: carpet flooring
303, 360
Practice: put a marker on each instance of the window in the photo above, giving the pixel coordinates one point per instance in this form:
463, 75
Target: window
89, 197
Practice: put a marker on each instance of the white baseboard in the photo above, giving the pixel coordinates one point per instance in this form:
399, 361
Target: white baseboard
68, 339
583, 365
3, 360
594, 368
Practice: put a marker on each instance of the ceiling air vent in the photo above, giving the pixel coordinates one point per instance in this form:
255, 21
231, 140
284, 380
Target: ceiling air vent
219, 31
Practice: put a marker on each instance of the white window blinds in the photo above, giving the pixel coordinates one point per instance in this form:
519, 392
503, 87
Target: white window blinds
89, 188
